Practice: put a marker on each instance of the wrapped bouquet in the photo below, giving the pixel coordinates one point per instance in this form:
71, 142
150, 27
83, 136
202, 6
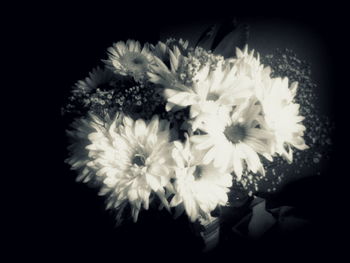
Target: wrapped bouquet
174, 126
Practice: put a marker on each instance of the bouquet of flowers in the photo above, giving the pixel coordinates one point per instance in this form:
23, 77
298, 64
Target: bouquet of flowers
174, 126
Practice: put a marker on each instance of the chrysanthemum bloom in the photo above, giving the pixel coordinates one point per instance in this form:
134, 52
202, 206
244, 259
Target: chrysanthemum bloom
79, 136
235, 143
132, 159
247, 64
198, 188
161, 50
201, 81
98, 78
92, 91
281, 115
129, 59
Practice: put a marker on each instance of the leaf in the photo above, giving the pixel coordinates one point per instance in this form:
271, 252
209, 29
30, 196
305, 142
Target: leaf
207, 37
238, 37
222, 38
261, 221
226, 26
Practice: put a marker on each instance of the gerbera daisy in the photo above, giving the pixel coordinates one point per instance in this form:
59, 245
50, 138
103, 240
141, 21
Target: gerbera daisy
99, 78
235, 142
131, 158
79, 136
247, 64
161, 50
79, 155
129, 59
94, 93
198, 188
281, 115
208, 87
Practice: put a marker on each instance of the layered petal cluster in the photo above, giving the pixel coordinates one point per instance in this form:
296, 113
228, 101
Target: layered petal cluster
281, 116
97, 78
213, 87
199, 188
242, 113
131, 158
233, 144
79, 135
235, 116
130, 59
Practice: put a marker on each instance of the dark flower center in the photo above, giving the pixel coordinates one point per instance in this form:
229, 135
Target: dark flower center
137, 61
139, 160
235, 133
198, 172
107, 86
212, 96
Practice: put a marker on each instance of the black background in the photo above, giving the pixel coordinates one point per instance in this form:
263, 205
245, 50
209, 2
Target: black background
55, 218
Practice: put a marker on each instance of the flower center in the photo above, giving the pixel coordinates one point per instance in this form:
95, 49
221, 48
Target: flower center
139, 160
198, 172
212, 96
137, 61
134, 62
235, 133
107, 86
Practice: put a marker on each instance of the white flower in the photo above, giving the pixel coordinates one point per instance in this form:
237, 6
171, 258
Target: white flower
97, 78
210, 88
129, 59
199, 188
161, 50
235, 141
281, 115
160, 73
131, 158
79, 155
247, 64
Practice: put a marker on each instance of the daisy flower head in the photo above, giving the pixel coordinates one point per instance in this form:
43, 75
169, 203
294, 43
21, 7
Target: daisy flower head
99, 78
131, 158
247, 64
199, 188
282, 117
249, 67
88, 93
219, 90
139, 163
182, 44
81, 158
200, 80
234, 143
130, 59
161, 50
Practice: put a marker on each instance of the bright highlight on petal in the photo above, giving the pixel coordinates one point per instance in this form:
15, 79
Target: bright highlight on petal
199, 188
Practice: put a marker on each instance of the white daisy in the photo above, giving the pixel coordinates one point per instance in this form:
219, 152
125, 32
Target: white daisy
247, 64
221, 89
235, 142
98, 78
281, 115
161, 50
199, 188
79, 136
209, 90
129, 59
131, 158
